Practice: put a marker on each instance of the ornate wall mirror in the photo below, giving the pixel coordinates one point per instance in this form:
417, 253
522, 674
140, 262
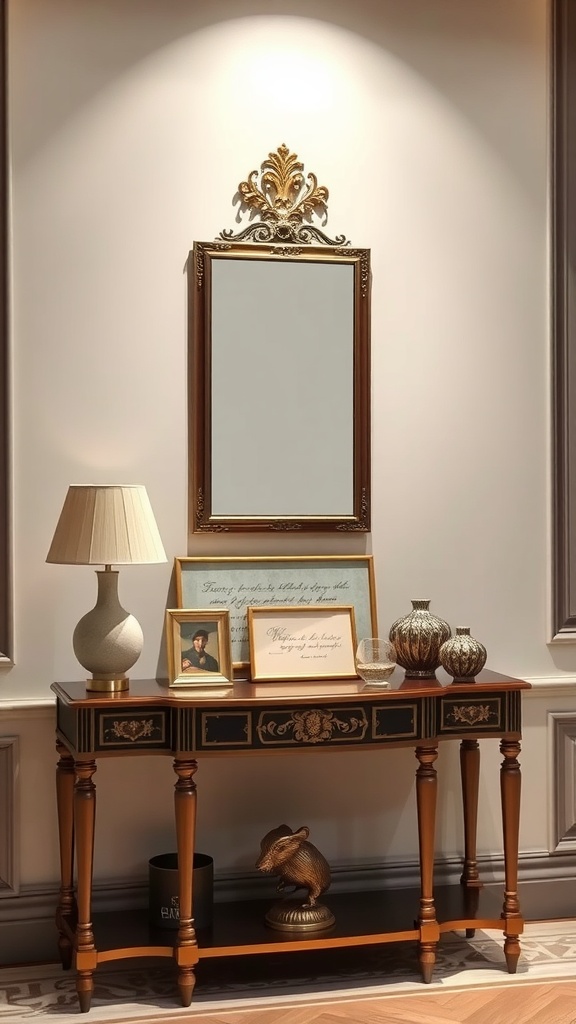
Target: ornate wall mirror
279, 372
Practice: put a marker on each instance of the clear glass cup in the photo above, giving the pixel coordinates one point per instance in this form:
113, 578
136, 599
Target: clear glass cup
375, 660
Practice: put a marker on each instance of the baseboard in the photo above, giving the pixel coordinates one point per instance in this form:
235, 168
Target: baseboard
547, 891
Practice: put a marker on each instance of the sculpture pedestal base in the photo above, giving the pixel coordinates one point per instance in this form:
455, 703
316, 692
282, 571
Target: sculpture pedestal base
291, 916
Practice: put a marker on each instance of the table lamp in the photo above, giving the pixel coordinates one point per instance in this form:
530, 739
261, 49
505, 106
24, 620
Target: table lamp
107, 524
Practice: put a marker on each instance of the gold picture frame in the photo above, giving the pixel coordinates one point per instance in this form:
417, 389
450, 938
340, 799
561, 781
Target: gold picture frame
302, 643
198, 647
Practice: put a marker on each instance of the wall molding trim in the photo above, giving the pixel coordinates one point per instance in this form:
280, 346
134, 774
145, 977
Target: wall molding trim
9, 816
563, 302
18, 710
553, 686
562, 745
6, 567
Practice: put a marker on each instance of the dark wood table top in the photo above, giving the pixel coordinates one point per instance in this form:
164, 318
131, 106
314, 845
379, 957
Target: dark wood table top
242, 692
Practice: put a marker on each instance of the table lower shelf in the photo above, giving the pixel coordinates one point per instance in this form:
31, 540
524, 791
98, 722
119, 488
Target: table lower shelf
384, 915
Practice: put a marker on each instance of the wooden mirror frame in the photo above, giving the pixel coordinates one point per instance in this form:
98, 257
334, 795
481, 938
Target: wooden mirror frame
279, 365
563, 78
208, 467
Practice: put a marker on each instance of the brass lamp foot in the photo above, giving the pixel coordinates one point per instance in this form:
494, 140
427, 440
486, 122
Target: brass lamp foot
108, 685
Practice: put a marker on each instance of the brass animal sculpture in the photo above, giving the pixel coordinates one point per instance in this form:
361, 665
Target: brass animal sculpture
297, 862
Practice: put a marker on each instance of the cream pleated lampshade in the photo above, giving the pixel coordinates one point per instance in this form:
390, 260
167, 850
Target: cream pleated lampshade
106, 524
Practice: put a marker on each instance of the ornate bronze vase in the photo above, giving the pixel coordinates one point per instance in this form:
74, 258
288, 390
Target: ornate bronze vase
417, 638
462, 656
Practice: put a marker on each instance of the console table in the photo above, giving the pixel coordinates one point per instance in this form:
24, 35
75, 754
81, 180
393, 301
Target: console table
256, 719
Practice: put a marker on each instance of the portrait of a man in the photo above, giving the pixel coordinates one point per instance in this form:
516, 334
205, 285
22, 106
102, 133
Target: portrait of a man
196, 658
198, 649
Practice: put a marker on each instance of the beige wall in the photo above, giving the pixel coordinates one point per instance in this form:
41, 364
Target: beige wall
131, 125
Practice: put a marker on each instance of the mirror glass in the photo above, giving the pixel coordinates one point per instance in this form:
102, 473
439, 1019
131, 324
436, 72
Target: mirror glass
279, 387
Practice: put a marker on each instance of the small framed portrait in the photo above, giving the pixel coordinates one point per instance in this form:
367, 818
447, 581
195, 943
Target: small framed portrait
198, 647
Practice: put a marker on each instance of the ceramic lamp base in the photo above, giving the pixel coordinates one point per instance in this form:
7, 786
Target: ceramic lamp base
108, 640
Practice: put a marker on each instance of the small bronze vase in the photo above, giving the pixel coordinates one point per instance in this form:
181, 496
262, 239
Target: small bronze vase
417, 638
462, 656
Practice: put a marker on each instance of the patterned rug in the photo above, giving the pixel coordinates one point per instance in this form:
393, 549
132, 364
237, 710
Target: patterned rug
138, 990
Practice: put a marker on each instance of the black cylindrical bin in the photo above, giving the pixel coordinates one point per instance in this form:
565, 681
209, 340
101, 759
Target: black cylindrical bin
163, 890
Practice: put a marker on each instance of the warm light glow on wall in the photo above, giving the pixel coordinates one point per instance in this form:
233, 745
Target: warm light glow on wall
289, 66
308, 82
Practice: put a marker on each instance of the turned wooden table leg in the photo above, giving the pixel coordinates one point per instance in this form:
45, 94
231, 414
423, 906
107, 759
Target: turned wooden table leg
470, 776
186, 950
84, 819
66, 915
426, 792
510, 785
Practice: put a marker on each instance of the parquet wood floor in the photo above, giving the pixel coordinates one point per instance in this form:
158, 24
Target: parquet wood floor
550, 1003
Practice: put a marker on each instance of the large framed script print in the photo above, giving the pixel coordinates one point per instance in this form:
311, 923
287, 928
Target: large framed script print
238, 583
